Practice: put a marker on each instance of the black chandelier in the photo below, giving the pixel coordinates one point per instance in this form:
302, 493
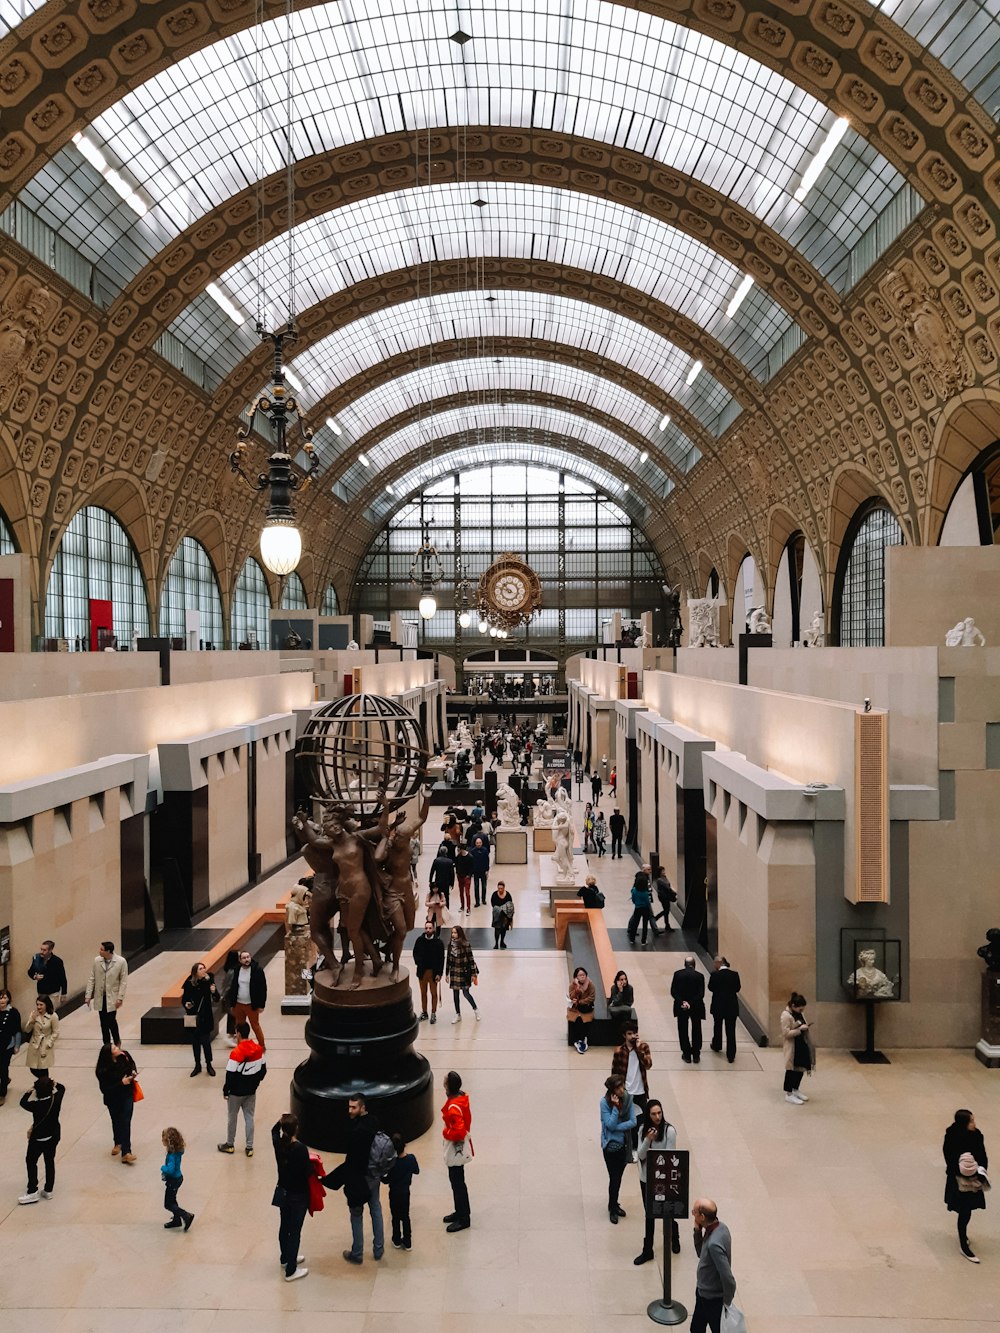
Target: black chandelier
280, 539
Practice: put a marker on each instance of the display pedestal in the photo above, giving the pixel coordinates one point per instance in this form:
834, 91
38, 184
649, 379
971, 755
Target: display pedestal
361, 1042
988, 1045
542, 839
552, 880
511, 847
870, 1056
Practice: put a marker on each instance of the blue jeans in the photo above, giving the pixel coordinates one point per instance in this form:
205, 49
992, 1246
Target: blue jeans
291, 1215
358, 1224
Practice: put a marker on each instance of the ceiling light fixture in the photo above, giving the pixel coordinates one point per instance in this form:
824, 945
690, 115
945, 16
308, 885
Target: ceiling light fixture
811, 174
114, 178
693, 373
390, 490
226, 305
644, 456
333, 425
363, 460
739, 296
426, 569
665, 421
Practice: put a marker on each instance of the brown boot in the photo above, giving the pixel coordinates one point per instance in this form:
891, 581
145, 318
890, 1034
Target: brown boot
128, 1158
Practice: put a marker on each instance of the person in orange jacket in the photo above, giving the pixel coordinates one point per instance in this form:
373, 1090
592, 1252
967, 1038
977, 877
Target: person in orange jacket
457, 1117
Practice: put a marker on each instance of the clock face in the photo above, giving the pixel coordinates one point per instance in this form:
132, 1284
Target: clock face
510, 591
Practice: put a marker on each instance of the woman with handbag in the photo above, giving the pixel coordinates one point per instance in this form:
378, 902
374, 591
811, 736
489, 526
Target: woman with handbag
42, 1031
965, 1182
10, 1039
457, 1117
462, 971
582, 999
800, 1054
197, 995
44, 1102
503, 914
291, 1194
117, 1078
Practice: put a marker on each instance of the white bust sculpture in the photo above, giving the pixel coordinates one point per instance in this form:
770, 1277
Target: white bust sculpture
760, 621
815, 635
562, 833
966, 634
869, 981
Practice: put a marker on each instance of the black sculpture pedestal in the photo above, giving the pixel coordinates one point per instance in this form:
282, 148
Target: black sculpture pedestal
361, 1042
988, 1045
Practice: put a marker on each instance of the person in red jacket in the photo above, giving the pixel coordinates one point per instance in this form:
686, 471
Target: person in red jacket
457, 1119
245, 1072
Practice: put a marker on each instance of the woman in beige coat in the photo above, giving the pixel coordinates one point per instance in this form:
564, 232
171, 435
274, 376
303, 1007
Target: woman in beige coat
42, 1031
800, 1056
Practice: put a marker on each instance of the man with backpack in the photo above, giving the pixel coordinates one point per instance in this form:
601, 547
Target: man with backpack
370, 1156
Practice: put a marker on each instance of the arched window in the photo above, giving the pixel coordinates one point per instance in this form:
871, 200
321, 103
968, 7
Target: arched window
95, 562
191, 585
973, 517
7, 544
293, 594
331, 603
251, 604
861, 577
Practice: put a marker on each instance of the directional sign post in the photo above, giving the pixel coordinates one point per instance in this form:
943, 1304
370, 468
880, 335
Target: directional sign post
667, 1198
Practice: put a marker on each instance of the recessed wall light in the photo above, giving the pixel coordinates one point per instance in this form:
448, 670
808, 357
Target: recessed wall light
693, 373
665, 421
811, 174
739, 296
333, 426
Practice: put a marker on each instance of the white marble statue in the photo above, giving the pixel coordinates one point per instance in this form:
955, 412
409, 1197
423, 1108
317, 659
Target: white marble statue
563, 836
703, 615
869, 981
815, 635
966, 634
543, 814
760, 621
508, 806
353, 646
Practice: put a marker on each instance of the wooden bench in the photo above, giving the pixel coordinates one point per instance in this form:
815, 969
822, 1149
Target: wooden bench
262, 933
582, 933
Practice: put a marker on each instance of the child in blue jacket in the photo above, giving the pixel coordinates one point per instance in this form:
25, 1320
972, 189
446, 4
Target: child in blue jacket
170, 1173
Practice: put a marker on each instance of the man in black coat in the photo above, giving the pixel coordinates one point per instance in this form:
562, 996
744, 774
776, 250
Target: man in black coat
428, 963
361, 1188
688, 991
616, 826
443, 874
596, 787
724, 983
248, 995
49, 973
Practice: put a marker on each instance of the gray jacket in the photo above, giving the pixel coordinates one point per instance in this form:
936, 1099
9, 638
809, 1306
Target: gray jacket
715, 1273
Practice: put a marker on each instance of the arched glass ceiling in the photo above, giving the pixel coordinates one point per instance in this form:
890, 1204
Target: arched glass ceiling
963, 34
511, 221
492, 377
499, 418
476, 453
366, 342
187, 137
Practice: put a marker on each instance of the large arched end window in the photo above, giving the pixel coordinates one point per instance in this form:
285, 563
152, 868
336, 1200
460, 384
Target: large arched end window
293, 594
251, 604
95, 562
331, 602
973, 517
859, 603
191, 585
7, 544
747, 594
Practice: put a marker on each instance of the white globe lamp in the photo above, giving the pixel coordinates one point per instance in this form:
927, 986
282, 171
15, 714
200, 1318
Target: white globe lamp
465, 620
280, 545
427, 606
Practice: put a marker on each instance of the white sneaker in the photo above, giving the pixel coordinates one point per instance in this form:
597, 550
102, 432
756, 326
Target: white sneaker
478, 1015
298, 1259
33, 1197
792, 1100
801, 1095
456, 1019
46, 1194
299, 1272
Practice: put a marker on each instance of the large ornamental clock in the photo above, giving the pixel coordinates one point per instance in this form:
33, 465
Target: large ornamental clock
510, 591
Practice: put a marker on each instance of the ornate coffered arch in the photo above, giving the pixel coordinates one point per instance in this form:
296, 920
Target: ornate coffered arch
70, 61
480, 153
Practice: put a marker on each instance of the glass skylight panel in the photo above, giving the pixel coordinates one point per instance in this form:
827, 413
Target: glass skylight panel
187, 137
14, 12
489, 381
531, 315
395, 231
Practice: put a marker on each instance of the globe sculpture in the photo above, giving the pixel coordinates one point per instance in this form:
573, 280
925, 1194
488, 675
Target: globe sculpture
364, 753
364, 757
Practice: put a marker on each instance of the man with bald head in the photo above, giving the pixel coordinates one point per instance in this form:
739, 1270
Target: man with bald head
715, 1285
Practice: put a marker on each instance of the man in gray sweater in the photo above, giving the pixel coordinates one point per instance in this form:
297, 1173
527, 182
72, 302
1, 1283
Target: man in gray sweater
715, 1285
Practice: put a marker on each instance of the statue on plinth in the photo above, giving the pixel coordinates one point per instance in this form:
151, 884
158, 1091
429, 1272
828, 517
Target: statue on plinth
760, 621
990, 951
966, 634
815, 635
298, 945
870, 982
508, 806
563, 835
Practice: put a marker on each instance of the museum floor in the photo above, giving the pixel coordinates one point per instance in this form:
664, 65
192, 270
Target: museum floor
835, 1207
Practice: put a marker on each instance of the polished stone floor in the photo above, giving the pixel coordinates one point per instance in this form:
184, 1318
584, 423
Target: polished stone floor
835, 1207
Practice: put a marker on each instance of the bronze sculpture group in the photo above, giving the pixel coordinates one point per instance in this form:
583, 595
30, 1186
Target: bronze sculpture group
361, 875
